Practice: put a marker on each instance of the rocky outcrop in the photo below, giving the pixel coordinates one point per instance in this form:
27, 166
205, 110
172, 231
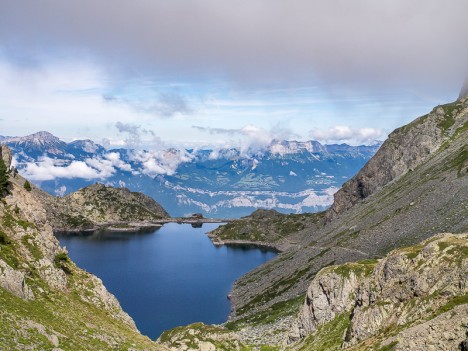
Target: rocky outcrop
331, 293
14, 281
402, 299
202, 337
6, 155
405, 149
98, 206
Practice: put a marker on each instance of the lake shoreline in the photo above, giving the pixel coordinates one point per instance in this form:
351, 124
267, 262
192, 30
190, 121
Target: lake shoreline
137, 226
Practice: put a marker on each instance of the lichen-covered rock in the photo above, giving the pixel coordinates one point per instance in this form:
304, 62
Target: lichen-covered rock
14, 281
396, 295
445, 332
329, 295
201, 337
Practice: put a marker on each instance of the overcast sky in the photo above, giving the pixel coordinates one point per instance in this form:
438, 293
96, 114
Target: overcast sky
152, 73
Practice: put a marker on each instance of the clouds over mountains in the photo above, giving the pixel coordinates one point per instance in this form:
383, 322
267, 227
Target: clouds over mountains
338, 42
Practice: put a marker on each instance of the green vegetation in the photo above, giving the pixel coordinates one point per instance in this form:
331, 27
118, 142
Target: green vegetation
28, 241
272, 314
267, 226
27, 186
83, 325
328, 336
76, 221
191, 336
454, 302
276, 289
62, 261
389, 347
363, 268
4, 182
4, 240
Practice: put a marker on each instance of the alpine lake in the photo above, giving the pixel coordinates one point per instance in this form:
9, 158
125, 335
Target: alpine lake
168, 276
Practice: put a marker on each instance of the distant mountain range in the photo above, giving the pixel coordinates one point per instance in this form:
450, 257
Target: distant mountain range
289, 176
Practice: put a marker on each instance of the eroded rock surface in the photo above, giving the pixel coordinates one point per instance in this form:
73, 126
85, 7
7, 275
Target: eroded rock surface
415, 298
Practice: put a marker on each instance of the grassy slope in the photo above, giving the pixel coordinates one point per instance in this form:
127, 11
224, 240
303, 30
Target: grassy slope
73, 319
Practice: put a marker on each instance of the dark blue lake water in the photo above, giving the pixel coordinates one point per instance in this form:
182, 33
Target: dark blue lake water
168, 277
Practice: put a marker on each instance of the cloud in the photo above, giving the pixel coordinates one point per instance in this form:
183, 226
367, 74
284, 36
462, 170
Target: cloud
49, 169
164, 104
91, 168
61, 191
135, 134
359, 43
170, 104
346, 134
161, 162
251, 141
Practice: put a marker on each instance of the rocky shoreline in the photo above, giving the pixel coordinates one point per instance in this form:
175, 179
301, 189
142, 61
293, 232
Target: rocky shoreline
258, 244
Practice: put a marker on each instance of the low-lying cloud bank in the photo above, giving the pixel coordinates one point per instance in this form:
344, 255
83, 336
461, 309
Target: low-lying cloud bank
103, 167
346, 134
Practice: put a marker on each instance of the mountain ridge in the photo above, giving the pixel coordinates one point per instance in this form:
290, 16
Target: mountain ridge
291, 177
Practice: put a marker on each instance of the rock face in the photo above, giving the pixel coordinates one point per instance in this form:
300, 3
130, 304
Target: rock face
329, 295
405, 149
414, 298
6, 155
14, 282
199, 336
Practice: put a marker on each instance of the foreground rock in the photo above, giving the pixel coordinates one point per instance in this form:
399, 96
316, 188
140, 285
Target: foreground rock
416, 298
199, 336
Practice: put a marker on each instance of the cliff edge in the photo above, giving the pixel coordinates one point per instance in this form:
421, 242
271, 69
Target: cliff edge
405, 149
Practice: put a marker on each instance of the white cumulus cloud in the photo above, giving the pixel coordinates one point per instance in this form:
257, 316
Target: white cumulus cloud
47, 168
349, 135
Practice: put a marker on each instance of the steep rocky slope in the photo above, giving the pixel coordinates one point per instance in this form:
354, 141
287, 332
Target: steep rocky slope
412, 193
46, 301
416, 298
404, 150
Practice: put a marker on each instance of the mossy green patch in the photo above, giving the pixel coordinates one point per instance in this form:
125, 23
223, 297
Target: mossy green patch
27, 241
389, 347
329, 336
62, 261
4, 239
272, 314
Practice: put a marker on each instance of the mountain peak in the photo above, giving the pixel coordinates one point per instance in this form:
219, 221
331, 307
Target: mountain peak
39, 138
